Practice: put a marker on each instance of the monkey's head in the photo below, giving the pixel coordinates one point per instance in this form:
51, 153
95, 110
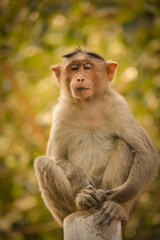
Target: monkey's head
84, 75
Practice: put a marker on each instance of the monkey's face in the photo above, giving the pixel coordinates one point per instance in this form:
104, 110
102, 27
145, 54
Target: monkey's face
82, 76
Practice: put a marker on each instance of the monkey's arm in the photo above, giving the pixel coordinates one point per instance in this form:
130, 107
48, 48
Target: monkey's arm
146, 161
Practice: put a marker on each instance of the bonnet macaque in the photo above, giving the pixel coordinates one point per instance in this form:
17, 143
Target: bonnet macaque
97, 156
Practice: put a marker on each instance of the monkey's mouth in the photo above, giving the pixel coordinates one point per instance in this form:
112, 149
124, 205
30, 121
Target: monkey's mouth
81, 88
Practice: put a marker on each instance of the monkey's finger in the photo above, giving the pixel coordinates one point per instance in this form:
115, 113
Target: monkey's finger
101, 213
93, 193
89, 200
104, 209
90, 187
96, 197
102, 195
113, 214
110, 221
85, 204
104, 217
109, 192
89, 190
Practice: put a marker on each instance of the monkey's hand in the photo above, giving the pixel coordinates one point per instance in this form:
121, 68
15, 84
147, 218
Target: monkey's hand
109, 212
89, 197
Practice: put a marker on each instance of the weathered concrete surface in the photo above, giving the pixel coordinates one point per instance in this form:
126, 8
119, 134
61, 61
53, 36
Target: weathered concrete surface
83, 226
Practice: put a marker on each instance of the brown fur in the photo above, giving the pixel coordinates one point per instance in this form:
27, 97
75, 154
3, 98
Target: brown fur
97, 155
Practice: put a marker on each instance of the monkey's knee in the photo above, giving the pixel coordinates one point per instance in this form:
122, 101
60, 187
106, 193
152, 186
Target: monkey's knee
45, 170
50, 175
42, 163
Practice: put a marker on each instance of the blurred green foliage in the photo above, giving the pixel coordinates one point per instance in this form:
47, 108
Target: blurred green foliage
34, 35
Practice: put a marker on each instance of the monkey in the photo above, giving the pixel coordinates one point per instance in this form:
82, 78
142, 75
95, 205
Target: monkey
98, 157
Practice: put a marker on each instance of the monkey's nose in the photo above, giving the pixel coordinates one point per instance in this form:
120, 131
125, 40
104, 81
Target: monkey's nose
80, 79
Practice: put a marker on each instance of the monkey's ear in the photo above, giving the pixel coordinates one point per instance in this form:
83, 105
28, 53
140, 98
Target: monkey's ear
56, 70
110, 69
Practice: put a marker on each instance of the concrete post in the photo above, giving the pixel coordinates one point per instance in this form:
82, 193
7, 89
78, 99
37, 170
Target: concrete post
83, 226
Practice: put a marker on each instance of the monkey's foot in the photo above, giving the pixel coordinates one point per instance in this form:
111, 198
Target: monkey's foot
109, 212
89, 197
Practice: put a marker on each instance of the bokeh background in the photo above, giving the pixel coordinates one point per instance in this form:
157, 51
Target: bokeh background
33, 36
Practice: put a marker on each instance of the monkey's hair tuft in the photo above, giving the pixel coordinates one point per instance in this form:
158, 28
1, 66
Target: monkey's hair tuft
80, 50
77, 50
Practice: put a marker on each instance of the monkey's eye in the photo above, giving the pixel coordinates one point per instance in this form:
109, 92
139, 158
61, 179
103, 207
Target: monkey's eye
74, 67
87, 66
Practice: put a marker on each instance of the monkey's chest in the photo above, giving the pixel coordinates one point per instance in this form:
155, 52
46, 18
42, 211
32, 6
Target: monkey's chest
90, 149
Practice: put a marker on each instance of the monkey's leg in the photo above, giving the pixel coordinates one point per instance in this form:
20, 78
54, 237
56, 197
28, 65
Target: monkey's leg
55, 188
